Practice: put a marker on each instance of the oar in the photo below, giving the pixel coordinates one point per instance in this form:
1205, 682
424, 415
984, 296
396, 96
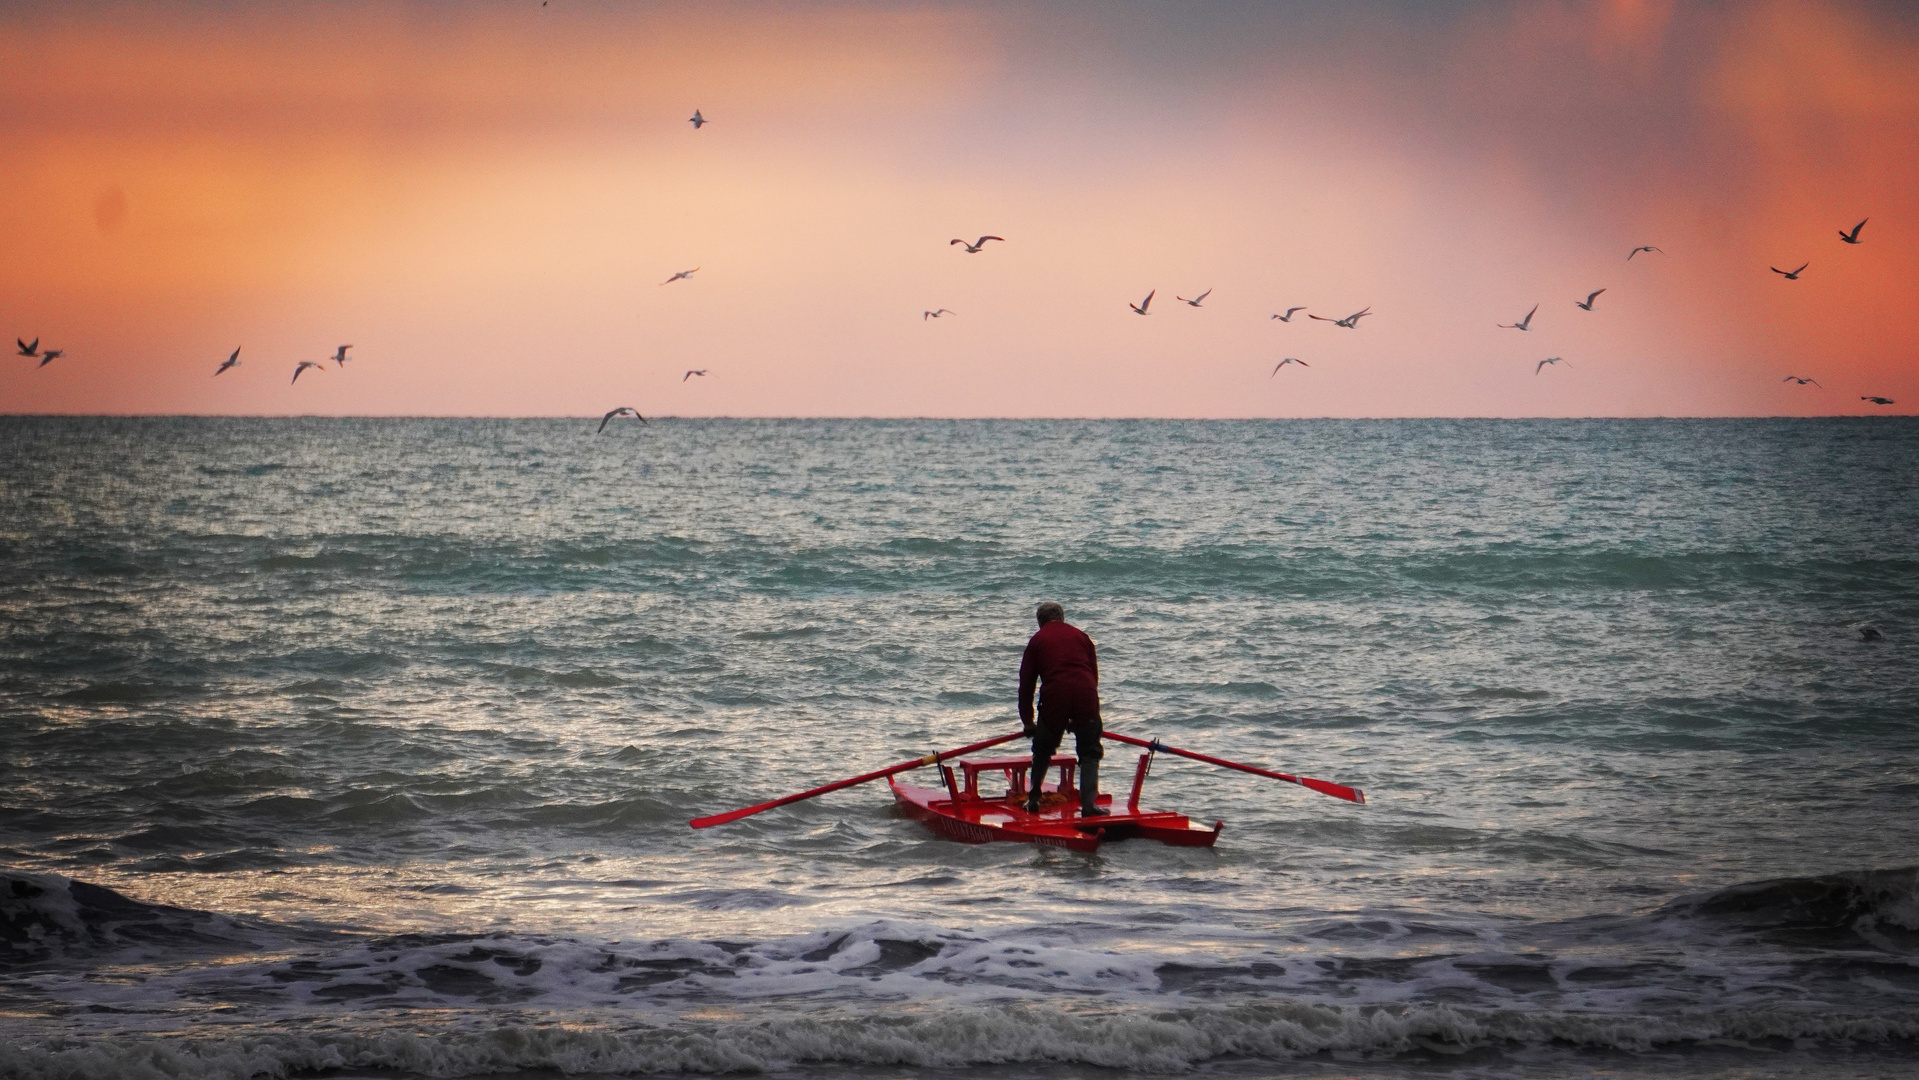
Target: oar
1337, 791
930, 759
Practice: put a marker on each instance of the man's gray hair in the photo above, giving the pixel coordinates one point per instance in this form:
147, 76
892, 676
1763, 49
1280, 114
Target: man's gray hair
1050, 612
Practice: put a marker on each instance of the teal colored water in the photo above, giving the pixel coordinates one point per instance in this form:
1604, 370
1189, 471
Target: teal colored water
370, 744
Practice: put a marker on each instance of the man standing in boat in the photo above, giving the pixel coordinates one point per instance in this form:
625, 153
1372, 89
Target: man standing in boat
1060, 661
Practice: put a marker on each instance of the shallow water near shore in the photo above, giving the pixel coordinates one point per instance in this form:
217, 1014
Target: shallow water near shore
366, 747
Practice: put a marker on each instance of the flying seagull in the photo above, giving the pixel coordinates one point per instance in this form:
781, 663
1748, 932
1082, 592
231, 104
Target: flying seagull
304, 364
1877, 400
1800, 381
1350, 322
1549, 360
697, 120
1523, 324
1195, 300
51, 355
973, 248
624, 410
701, 373
1790, 275
1640, 248
681, 274
1587, 303
28, 349
925, 315
339, 355
232, 361
1140, 308
1853, 236
1288, 317
1288, 360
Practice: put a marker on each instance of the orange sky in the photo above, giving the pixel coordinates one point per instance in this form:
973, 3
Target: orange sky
484, 198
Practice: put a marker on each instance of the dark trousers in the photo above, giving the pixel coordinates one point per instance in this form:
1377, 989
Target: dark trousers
1086, 740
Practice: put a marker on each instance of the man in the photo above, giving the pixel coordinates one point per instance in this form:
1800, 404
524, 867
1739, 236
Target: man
1060, 660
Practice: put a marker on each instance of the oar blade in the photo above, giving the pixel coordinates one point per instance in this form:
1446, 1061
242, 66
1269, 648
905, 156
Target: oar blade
730, 815
1337, 791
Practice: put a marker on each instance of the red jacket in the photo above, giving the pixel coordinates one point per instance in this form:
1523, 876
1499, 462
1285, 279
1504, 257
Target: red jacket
1061, 656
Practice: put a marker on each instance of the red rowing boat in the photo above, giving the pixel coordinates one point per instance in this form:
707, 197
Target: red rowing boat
960, 811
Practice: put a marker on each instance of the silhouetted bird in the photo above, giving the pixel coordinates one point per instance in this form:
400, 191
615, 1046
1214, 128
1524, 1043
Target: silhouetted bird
681, 274
1350, 322
50, 356
701, 373
1587, 303
1877, 400
1790, 275
1800, 381
624, 410
1640, 248
28, 349
696, 119
1140, 308
1195, 300
1523, 324
232, 361
925, 315
973, 248
1853, 236
339, 355
1288, 360
304, 364
1549, 360
1288, 317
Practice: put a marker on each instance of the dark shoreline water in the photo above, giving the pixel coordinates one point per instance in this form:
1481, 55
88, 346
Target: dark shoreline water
404, 718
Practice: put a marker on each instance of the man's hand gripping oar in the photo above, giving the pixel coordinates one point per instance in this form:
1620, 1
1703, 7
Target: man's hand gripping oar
1324, 787
904, 766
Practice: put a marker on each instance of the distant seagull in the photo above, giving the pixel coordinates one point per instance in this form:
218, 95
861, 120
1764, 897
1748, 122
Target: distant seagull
232, 361
339, 355
1587, 303
973, 248
1877, 400
1195, 300
701, 373
1350, 322
1288, 360
51, 355
1790, 275
925, 315
28, 349
1640, 248
1288, 317
304, 364
624, 410
681, 274
696, 119
1549, 360
1800, 381
1853, 236
1140, 308
1523, 324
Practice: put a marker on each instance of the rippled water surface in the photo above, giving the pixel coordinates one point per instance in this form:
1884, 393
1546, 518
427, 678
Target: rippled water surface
369, 745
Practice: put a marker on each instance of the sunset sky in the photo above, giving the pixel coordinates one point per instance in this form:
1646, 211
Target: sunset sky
484, 198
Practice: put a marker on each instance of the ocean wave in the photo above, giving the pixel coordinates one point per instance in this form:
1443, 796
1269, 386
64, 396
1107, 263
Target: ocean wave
1868, 903
1140, 1040
45, 917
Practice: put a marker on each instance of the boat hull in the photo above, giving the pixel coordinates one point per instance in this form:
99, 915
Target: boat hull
971, 818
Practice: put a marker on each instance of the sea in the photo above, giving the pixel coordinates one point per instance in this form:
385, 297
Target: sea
366, 748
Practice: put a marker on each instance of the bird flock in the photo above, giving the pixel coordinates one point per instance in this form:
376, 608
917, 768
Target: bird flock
33, 350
